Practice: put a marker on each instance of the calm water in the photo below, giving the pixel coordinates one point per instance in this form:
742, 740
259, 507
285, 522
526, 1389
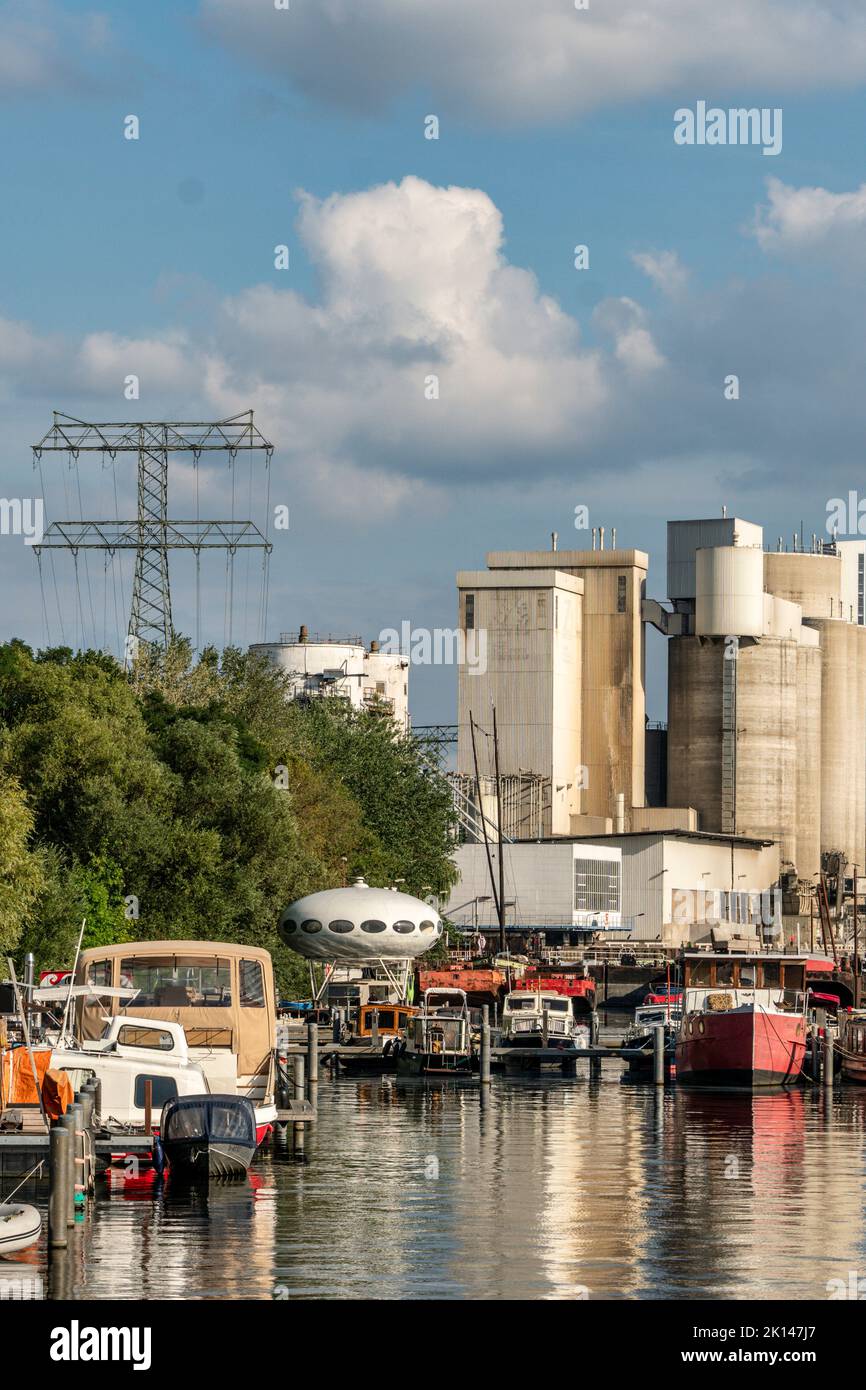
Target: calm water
554, 1186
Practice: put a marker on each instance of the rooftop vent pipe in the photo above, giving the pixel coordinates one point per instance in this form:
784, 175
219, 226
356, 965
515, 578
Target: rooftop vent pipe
303, 635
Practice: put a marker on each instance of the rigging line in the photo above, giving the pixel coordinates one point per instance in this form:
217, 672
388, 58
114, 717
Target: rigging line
198, 600
80, 608
248, 559
86, 557
44, 605
114, 564
231, 589
117, 518
267, 559
57, 600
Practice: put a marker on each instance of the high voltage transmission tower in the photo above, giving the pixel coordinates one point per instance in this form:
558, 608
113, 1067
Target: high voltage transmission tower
152, 534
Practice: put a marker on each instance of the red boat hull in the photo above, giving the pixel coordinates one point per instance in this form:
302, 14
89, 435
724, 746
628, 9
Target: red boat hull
741, 1048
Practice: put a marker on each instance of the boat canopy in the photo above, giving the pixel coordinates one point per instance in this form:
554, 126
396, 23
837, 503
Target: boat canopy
231, 1119
221, 993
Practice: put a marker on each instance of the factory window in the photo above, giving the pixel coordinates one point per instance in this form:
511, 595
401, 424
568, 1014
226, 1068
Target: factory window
596, 885
373, 926
404, 928
252, 984
620, 594
861, 566
469, 618
341, 927
311, 926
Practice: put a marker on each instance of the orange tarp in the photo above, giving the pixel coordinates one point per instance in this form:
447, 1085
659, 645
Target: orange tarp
19, 1087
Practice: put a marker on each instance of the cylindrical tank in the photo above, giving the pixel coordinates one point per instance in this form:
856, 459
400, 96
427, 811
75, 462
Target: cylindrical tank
813, 581
732, 736
695, 727
729, 591
808, 805
843, 738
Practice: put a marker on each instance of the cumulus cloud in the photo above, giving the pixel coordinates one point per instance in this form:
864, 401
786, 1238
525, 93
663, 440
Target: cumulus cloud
540, 60
796, 219
664, 268
44, 49
415, 291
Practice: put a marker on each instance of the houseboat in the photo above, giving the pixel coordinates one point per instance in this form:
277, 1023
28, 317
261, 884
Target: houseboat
541, 1018
222, 996
743, 1019
386, 1025
439, 1038
852, 1044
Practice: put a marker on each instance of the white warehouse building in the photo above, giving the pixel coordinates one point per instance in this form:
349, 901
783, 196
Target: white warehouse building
671, 886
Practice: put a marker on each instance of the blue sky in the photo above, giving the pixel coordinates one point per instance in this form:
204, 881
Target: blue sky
602, 386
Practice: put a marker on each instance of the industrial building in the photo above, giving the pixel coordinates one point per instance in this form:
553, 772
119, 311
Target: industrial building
342, 668
667, 886
765, 739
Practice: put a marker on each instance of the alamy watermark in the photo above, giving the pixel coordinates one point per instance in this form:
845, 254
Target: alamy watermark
23, 516
438, 646
737, 126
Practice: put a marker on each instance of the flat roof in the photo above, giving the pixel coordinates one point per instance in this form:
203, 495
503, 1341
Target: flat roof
705, 836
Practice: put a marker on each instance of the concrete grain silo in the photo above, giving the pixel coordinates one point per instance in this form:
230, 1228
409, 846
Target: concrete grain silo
843, 737
808, 800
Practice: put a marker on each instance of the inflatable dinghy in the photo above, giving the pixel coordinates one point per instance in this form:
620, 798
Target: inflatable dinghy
19, 1227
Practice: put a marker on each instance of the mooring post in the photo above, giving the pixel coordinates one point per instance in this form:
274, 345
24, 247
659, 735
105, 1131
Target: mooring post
545, 1025
77, 1135
485, 1045
70, 1124
374, 1030
828, 1060
816, 1055
313, 1064
88, 1146
659, 1054
148, 1107
59, 1185
337, 1025
299, 1076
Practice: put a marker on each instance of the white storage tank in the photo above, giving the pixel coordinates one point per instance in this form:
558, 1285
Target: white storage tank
729, 582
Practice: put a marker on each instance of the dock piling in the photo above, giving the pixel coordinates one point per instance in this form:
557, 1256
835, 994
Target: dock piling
828, 1060
545, 1026
659, 1055
299, 1076
485, 1045
374, 1030
60, 1184
313, 1064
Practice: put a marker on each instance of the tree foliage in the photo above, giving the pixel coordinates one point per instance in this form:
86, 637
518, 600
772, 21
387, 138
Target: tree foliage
195, 800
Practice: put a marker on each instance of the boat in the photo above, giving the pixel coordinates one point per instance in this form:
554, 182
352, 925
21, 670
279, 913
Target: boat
851, 1044
743, 1019
222, 995
641, 1033
481, 985
574, 983
541, 1018
20, 1225
439, 1038
209, 1136
383, 1024
132, 1051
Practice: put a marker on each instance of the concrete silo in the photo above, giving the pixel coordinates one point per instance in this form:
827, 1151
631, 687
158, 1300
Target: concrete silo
843, 737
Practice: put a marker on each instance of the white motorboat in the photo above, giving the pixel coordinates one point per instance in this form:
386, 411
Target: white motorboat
541, 1018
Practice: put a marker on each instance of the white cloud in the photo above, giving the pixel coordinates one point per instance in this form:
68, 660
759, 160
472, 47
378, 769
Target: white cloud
664, 268
795, 219
539, 60
44, 49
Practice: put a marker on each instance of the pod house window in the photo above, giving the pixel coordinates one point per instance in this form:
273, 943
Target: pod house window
373, 926
252, 984
341, 926
404, 928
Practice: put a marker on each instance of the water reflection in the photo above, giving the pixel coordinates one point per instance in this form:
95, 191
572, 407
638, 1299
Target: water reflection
558, 1188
